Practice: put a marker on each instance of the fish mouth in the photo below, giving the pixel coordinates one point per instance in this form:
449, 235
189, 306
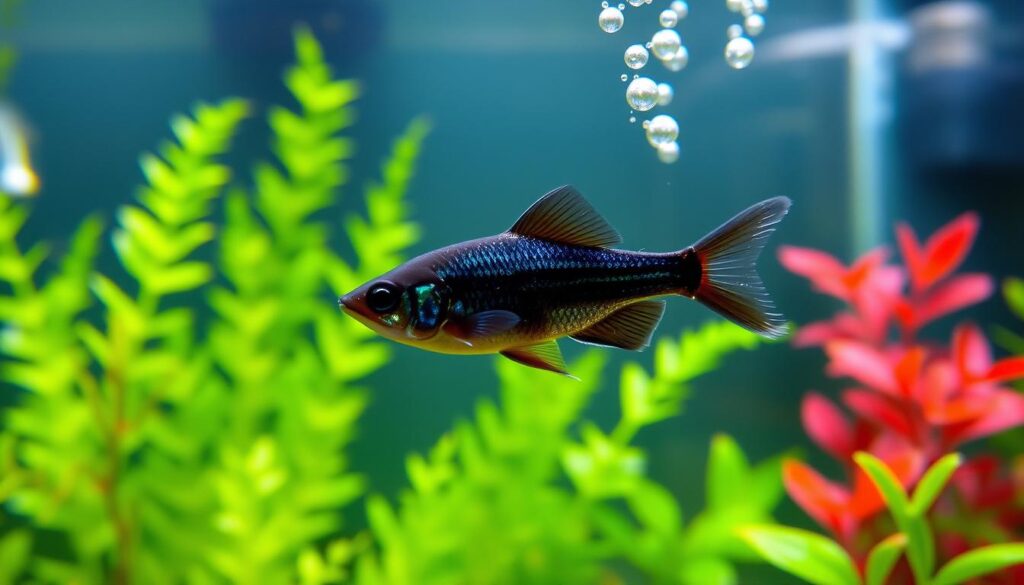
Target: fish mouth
347, 303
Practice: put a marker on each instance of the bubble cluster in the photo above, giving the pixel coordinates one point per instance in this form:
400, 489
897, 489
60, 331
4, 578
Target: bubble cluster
610, 20
739, 50
642, 94
678, 61
635, 56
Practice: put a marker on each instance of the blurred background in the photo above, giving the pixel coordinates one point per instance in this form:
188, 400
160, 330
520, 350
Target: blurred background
863, 112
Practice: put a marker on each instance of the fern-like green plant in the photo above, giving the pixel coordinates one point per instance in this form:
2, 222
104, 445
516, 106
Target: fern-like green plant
527, 492
196, 432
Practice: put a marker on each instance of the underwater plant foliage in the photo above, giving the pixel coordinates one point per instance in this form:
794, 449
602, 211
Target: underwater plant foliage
912, 403
161, 442
529, 492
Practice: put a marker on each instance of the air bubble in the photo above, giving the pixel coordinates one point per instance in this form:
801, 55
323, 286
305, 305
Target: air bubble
754, 24
677, 61
681, 8
642, 94
665, 94
668, 153
622, 6
632, 119
760, 6
646, 124
665, 43
734, 31
623, 77
739, 52
668, 18
662, 130
604, 4
734, 5
635, 56
610, 20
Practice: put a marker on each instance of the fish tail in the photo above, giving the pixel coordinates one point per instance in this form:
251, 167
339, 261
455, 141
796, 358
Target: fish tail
723, 271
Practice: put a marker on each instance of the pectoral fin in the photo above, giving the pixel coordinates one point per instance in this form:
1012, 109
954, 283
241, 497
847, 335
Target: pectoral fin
482, 325
630, 327
544, 356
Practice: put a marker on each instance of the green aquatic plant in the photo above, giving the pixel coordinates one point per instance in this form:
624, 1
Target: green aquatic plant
823, 561
530, 492
192, 424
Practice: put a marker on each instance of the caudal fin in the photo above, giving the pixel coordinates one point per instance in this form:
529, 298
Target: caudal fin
729, 281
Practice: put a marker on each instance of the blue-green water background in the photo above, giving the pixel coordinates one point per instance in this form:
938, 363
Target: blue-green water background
524, 96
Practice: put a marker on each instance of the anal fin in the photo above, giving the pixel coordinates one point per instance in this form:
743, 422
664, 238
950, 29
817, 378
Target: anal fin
631, 327
543, 356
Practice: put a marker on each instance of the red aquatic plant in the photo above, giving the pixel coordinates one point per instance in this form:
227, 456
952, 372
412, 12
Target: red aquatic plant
910, 399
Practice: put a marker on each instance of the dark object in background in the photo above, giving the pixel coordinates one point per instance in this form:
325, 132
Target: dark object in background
961, 89
262, 29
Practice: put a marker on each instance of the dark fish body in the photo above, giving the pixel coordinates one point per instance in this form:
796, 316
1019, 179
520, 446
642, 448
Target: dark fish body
556, 289
554, 275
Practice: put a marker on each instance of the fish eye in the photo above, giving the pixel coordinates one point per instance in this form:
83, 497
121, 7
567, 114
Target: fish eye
383, 297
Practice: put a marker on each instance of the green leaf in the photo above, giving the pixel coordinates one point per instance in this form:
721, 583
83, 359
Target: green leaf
934, 480
883, 557
727, 473
807, 555
886, 482
1013, 291
656, 508
979, 562
15, 552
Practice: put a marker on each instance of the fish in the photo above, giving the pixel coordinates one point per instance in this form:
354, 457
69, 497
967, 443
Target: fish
555, 274
17, 177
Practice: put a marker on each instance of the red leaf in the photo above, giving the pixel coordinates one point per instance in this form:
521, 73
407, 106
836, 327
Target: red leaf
908, 370
954, 294
861, 362
823, 270
1005, 411
827, 426
823, 500
965, 409
1007, 369
912, 254
971, 352
881, 410
842, 326
947, 248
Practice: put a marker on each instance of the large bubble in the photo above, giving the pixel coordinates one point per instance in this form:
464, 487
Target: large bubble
665, 43
739, 52
635, 56
610, 20
662, 130
642, 94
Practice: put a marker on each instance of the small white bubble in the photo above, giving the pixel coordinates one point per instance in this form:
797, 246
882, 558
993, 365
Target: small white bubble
604, 4
642, 94
622, 6
681, 8
668, 18
739, 52
668, 153
648, 1
760, 6
662, 130
635, 56
747, 9
734, 5
734, 31
646, 124
665, 43
677, 61
754, 24
665, 94
636, 76
636, 2
610, 20
623, 77
632, 119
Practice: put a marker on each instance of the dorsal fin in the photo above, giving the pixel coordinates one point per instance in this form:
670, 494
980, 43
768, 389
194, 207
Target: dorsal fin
564, 216
631, 327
